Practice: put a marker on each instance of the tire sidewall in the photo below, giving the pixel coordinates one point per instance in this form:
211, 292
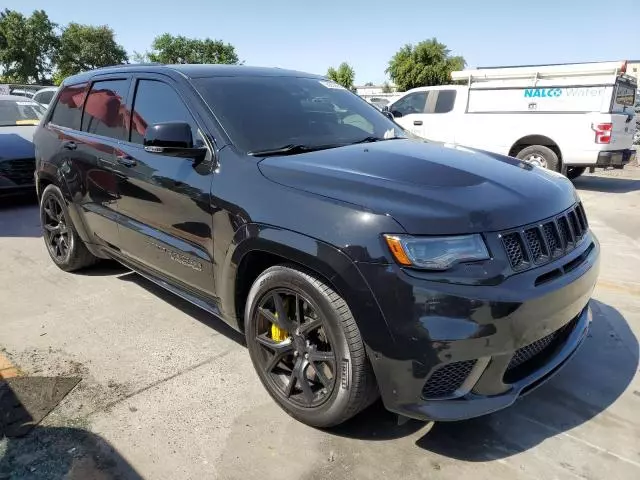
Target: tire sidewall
549, 155
53, 191
333, 408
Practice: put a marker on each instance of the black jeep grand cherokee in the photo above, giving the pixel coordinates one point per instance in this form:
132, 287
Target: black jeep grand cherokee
357, 261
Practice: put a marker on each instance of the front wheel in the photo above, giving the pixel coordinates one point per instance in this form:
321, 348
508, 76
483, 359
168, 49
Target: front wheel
306, 348
541, 156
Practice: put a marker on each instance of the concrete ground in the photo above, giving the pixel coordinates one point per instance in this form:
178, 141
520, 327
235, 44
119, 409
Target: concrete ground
169, 393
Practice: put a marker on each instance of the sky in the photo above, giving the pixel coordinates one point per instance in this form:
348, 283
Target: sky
312, 36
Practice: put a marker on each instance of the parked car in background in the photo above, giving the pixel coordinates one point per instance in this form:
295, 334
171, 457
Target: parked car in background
45, 95
21, 92
562, 117
18, 119
357, 262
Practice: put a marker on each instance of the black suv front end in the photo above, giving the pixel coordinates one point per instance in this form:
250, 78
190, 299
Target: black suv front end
467, 350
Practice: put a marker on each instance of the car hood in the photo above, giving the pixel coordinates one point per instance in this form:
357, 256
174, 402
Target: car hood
428, 188
16, 142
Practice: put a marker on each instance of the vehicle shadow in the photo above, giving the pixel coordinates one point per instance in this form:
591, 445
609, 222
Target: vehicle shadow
591, 382
193, 311
607, 182
19, 217
49, 453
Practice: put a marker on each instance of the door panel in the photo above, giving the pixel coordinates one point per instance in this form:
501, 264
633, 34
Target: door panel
164, 201
409, 112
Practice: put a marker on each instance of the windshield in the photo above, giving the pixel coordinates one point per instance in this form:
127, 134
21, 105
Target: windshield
266, 113
17, 112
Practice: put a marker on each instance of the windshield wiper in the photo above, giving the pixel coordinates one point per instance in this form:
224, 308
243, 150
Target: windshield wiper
291, 149
371, 139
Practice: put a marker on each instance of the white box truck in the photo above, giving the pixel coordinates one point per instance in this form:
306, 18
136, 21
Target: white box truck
564, 117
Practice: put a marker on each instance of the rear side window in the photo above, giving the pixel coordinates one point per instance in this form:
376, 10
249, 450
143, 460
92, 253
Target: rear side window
156, 102
68, 109
445, 101
105, 112
44, 97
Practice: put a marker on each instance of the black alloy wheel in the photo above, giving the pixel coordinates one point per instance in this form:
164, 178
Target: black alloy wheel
306, 347
296, 352
57, 236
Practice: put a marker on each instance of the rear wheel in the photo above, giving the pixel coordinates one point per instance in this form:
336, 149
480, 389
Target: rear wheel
575, 172
64, 245
306, 347
541, 156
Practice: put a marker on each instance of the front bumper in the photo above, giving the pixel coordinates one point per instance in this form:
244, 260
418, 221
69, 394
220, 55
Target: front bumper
615, 158
463, 351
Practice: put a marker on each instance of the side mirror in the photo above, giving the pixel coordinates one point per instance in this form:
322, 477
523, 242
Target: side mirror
387, 113
173, 139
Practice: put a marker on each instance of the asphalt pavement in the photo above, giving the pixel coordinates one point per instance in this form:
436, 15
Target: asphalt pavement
168, 392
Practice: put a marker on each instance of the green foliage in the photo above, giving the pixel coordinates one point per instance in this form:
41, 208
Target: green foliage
427, 63
386, 88
178, 49
85, 47
344, 75
26, 46
368, 84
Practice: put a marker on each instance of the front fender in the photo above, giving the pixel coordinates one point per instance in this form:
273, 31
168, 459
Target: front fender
325, 260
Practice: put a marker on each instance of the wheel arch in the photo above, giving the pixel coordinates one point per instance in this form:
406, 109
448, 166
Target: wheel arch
535, 139
258, 247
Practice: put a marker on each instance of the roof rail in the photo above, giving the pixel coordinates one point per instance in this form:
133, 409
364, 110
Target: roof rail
126, 65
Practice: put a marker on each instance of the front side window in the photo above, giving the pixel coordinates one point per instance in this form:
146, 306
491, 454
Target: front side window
156, 102
68, 108
20, 112
105, 112
262, 112
624, 96
412, 103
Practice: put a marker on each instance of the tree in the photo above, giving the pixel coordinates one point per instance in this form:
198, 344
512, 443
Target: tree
178, 49
344, 75
386, 88
85, 47
27, 45
368, 84
427, 63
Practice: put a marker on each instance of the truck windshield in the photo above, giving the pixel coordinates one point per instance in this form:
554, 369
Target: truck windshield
262, 113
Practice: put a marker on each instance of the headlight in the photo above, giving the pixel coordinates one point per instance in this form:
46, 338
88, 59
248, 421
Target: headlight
436, 253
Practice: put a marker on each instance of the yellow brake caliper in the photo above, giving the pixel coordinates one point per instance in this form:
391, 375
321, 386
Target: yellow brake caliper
278, 334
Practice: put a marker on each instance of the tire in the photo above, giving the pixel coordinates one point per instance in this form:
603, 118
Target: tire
354, 387
575, 172
76, 255
548, 156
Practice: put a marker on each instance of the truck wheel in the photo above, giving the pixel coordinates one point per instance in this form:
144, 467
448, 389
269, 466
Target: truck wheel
306, 348
64, 245
541, 156
575, 172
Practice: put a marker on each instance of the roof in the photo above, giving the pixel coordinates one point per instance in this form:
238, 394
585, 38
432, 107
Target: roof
195, 71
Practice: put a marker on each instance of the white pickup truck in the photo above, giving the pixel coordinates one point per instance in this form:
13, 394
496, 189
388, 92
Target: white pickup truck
563, 117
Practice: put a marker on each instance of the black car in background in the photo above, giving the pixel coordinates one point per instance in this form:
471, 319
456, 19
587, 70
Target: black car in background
357, 262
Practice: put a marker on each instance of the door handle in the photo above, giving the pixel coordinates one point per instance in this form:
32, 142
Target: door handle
126, 160
70, 145
417, 122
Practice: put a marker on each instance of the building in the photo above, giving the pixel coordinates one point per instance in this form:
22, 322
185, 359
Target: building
371, 92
